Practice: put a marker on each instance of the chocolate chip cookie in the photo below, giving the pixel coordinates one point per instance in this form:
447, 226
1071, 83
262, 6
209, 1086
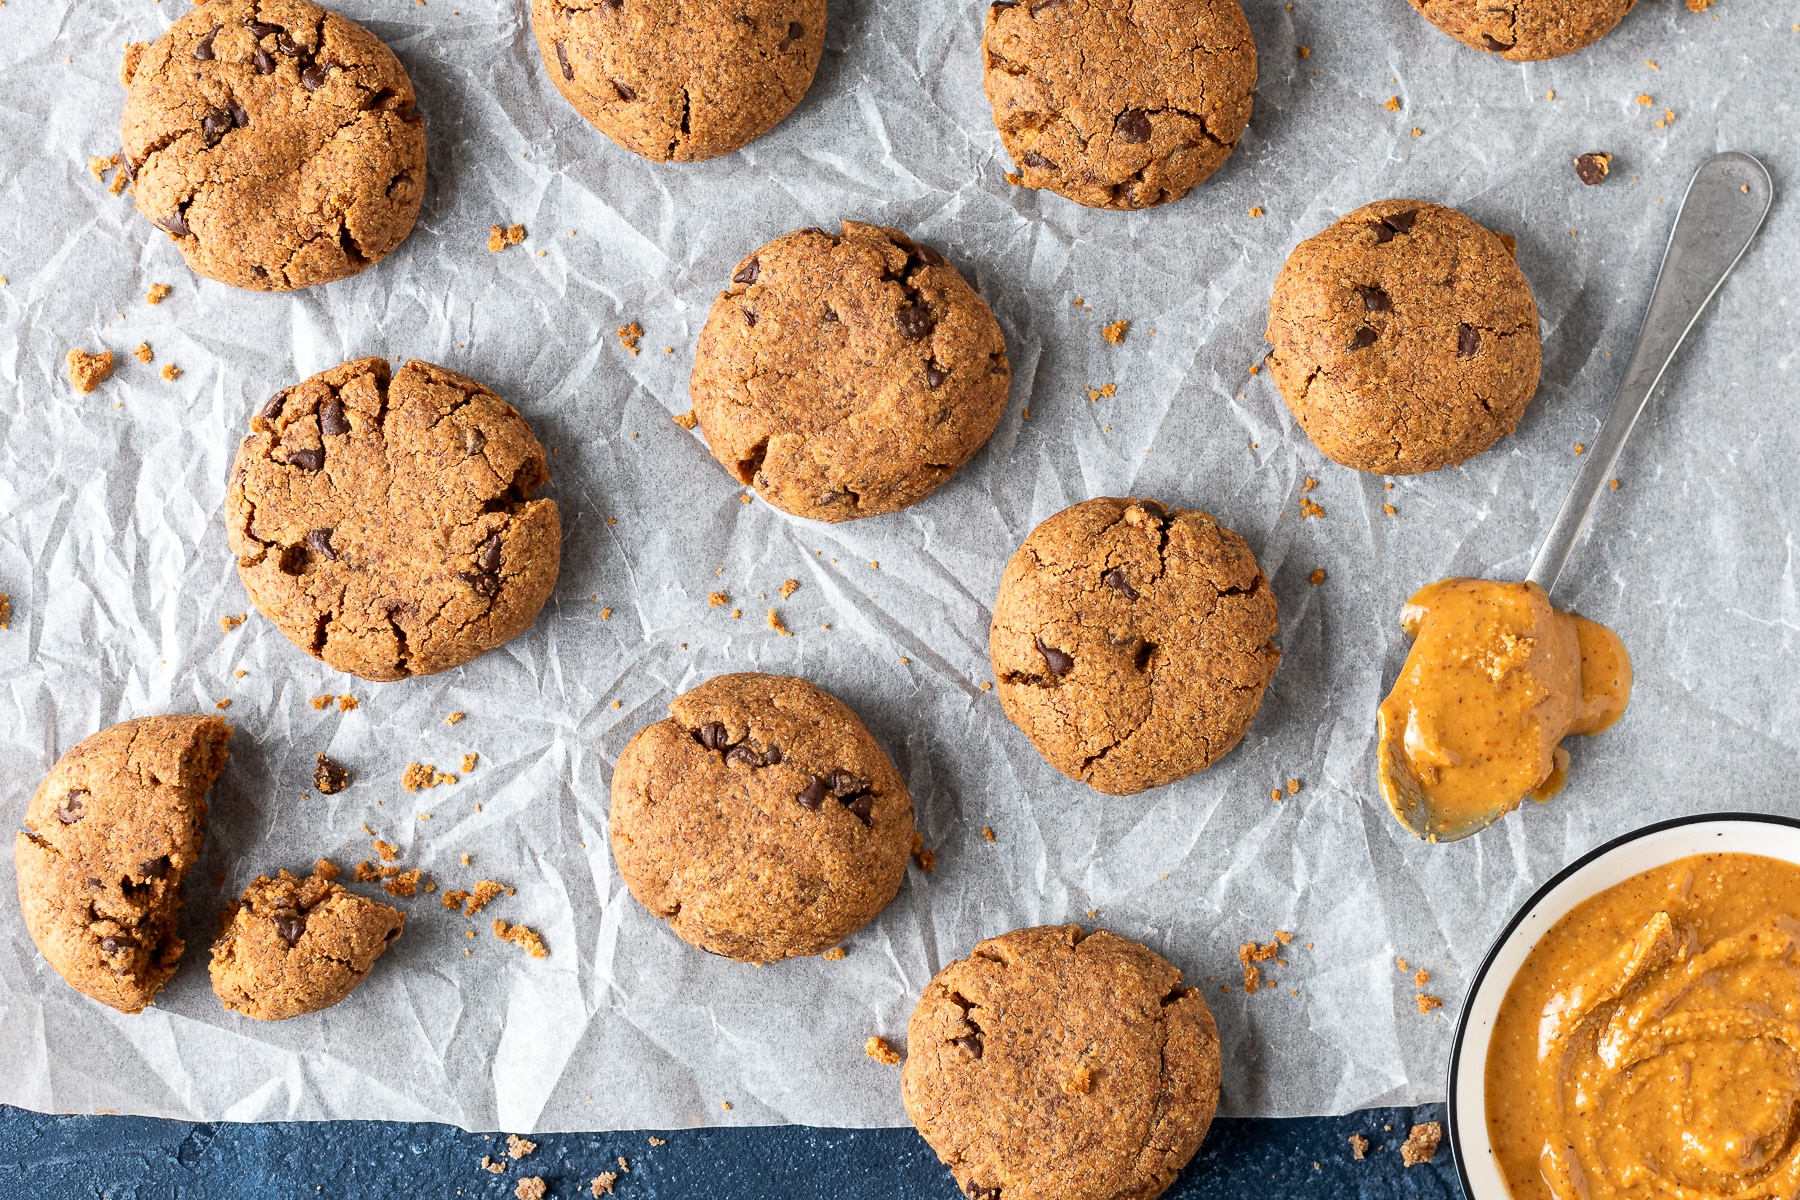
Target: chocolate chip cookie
1406, 338
108, 839
1059, 1066
848, 376
386, 525
293, 946
274, 141
1131, 642
1526, 30
761, 819
682, 82
1115, 104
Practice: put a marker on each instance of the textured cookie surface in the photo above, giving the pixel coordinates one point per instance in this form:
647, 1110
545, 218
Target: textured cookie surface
275, 142
1131, 643
1406, 338
110, 835
1525, 30
848, 376
1052, 1066
292, 946
386, 525
1116, 104
762, 820
681, 79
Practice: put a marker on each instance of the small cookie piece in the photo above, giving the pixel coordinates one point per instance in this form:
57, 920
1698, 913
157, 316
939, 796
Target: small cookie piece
1525, 32
386, 525
682, 82
1406, 338
1131, 642
848, 376
1114, 104
761, 819
274, 141
1060, 1066
109, 836
292, 946
89, 371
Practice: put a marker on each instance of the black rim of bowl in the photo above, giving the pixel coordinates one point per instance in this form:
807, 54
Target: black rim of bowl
1506, 932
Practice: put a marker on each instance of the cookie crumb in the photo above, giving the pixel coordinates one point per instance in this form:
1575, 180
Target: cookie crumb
488, 1164
656, 1141
717, 599
531, 1188
423, 775
1592, 167
454, 717
1359, 1146
1421, 977
1256, 210
777, 626
835, 954
987, 831
1699, 5
1580, 448
521, 937
89, 371
1614, 484
606, 614
329, 777
927, 859
517, 1147
1392, 104
1390, 510
500, 238
158, 293
879, 1050
1105, 391
1645, 99
171, 372
143, 353
327, 870
1421, 1143
485, 890
725, 1104
1306, 52
387, 850
1317, 577
366, 872
1427, 1003
629, 335
686, 420
603, 1182
222, 704
349, 704
1310, 508
230, 623
469, 762
406, 883
788, 588
1293, 790
1115, 333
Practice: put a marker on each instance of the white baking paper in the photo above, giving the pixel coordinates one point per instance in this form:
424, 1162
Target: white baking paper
112, 548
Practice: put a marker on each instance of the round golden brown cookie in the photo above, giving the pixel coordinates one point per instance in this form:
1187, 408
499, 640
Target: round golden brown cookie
761, 819
1116, 104
1525, 30
681, 79
387, 525
274, 141
110, 835
293, 946
848, 376
1049, 1065
1406, 338
1131, 643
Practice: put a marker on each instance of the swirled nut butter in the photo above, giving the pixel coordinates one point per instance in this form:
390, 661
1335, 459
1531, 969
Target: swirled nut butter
1496, 678
1649, 1045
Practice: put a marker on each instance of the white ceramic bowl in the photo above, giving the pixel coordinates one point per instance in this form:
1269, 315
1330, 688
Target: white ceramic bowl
1592, 873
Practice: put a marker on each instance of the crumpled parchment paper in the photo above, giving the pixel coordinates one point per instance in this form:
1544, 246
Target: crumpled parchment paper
113, 550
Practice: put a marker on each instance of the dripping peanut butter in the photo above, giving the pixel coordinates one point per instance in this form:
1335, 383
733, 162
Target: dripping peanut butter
1496, 678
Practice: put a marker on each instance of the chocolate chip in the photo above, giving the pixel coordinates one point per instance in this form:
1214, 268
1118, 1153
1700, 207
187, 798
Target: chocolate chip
748, 272
1468, 341
795, 31
1034, 159
1401, 222
862, 808
330, 777
260, 271
117, 945
290, 926
613, 4
914, 320
772, 756
1362, 339
830, 314
977, 1192
262, 62
203, 48
320, 541
1058, 662
239, 117
749, 316
286, 44
1592, 167
935, 375
562, 60
625, 92
1374, 299
844, 783
484, 585
307, 460
313, 78
1383, 233
261, 30
1132, 127
928, 255
829, 498
214, 125
272, 409
712, 735
156, 868
1495, 44
332, 422
73, 807
473, 441
1115, 579
489, 558
812, 795
970, 1042
1154, 508
175, 223
744, 754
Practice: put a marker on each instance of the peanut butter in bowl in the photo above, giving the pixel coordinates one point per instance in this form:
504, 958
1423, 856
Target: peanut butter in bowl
1649, 1045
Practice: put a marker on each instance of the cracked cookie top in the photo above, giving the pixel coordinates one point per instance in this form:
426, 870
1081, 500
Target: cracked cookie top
109, 836
1115, 104
848, 376
292, 946
1525, 30
1052, 1065
386, 525
681, 80
1131, 643
761, 819
1406, 338
273, 141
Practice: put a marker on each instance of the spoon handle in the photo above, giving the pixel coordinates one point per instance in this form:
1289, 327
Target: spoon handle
1724, 207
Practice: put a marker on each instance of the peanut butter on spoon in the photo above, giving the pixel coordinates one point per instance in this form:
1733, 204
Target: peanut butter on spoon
1496, 678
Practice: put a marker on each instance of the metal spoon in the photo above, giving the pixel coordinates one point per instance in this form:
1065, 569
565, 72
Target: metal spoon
1719, 217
